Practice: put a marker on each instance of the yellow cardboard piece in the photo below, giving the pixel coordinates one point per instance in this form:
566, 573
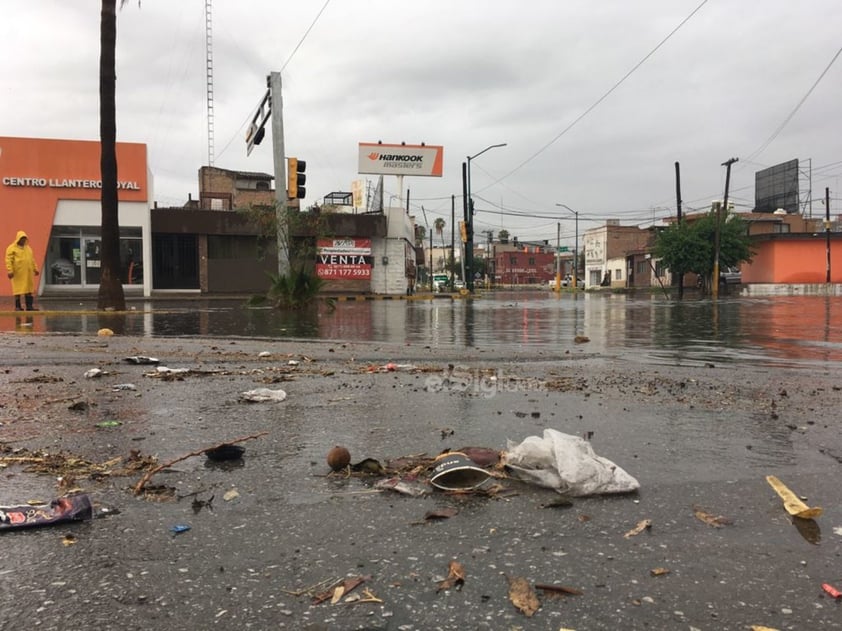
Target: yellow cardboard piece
793, 505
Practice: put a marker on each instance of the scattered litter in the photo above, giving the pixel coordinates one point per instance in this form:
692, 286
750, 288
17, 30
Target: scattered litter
567, 464
261, 395
68, 540
78, 406
225, 452
63, 509
644, 524
179, 528
793, 505
293, 362
164, 370
105, 332
454, 471
93, 373
264, 354
717, 521
455, 577
522, 596
830, 589
659, 571
138, 488
106, 424
405, 487
117, 387
368, 465
142, 360
758, 627
231, 495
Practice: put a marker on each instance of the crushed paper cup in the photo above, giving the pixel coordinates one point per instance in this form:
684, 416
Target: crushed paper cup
454, 471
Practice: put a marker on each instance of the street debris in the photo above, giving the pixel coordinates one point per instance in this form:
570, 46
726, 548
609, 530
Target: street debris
338, 458
64, 509
659, 571
262, 395
117, 387
93, 373
264, 354
832, 591
441, 513
179, 528
231, 494
454, 471
567, 464
142, 360
717, 521
455, 577
338, 589
68, 540
523, 596
109, 424
138, 488
224, 452
105, 332
792, 504
644, 524
413, 488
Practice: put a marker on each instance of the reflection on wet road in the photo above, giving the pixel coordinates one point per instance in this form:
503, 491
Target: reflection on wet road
769, 331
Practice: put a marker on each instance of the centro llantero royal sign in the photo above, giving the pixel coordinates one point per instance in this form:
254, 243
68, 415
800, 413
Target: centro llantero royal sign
41, 182
380, 159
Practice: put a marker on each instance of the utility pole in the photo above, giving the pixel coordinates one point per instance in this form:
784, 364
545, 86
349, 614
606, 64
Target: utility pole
678, 214
827, 228
432, 286
716, 239
558, 257
452, 237
276, 106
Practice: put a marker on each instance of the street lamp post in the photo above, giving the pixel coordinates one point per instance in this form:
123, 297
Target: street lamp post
469, 221
575, 247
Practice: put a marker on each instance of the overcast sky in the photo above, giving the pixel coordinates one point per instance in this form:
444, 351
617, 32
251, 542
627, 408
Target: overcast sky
465, 75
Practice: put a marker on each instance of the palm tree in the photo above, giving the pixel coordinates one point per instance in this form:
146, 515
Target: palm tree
111, 294
438, 226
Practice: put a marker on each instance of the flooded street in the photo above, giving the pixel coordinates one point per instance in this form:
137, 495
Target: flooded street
698, 401
775, 331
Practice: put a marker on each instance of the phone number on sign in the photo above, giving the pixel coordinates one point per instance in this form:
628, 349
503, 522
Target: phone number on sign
343, 272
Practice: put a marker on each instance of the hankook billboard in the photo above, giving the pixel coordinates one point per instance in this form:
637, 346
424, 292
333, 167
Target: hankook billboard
380, 159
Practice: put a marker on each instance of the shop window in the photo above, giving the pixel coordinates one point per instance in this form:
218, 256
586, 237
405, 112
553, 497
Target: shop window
618, 274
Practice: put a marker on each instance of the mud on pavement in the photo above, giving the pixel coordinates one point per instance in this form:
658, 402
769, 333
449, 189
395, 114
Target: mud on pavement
277, 539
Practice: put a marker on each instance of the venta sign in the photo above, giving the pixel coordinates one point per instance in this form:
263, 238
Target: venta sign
43, 182
343, 259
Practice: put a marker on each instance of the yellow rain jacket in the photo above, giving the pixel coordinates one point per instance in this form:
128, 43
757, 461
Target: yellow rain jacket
21, 262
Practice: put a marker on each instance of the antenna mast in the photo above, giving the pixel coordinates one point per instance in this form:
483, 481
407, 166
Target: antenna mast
209, 68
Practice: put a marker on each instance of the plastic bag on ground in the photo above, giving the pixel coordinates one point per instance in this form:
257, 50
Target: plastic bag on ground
567, 464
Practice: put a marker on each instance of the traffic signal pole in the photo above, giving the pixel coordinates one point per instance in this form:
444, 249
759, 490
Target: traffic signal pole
281, 202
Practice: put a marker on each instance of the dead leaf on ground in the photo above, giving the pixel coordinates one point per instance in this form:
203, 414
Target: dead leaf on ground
68, 540
659, 571
455, 577
643, 524
559, 590
441, 513
523, 597
334, 594
717, 521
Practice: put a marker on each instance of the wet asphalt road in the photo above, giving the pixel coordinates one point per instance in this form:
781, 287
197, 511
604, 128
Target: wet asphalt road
692, 435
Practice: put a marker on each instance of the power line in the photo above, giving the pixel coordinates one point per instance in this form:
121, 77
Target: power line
606, 95
794, 111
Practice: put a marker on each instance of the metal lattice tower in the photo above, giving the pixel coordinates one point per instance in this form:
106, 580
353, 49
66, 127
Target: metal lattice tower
209, 75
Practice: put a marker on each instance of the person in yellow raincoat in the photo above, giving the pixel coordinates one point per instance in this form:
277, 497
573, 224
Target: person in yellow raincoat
21, 268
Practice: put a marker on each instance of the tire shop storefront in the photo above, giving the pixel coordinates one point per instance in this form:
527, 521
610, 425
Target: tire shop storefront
51, 189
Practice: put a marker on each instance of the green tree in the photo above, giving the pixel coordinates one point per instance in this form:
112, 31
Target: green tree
688, 246
111, 296
503, 235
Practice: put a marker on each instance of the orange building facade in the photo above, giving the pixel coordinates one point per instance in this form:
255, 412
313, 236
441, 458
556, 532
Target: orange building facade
51, 189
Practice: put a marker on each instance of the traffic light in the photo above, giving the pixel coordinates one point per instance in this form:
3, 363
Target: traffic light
296, 178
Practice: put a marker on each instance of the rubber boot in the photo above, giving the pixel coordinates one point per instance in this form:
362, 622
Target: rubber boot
29, 302
17, 303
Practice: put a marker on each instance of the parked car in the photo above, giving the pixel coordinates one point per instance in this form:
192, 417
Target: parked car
567, 281
730, 275
458, 284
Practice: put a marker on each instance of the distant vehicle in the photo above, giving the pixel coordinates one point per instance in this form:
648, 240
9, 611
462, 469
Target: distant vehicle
567, 281
730, 275
458, 284
440, 282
